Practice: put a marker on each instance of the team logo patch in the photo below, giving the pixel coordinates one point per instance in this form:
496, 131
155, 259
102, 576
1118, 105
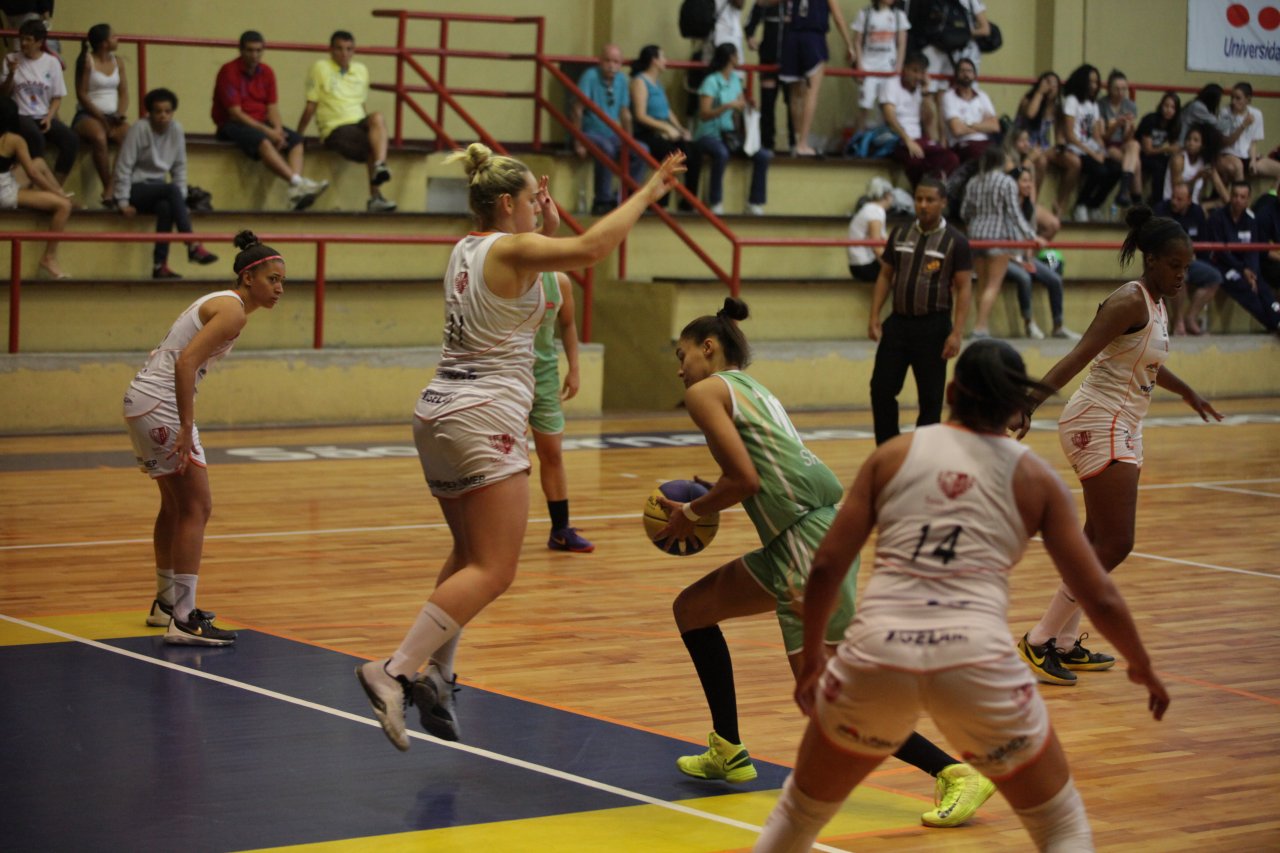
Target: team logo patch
160, 435
502, 443
1081, 439
933, 266
954, 483
460, 281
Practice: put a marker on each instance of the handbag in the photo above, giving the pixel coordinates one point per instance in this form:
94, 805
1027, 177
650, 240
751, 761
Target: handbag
199, 200
990, 43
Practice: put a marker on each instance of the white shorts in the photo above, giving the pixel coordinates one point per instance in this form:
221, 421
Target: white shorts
869, 92
153, 425
8, 191
1092, 438
467, 445
990, 712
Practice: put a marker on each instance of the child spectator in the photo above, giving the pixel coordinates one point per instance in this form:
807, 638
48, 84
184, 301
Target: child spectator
1157, 137
879, 44
33, 78
868, 223
102, 101
1193, 165
1119, 127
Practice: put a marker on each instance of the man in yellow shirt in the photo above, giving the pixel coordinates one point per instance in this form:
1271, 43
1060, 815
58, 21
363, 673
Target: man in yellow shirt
337, 89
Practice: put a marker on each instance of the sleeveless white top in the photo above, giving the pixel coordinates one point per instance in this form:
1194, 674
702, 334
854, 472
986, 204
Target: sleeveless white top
156, 378
1189, 166
949, 534
104, 89
1123, 375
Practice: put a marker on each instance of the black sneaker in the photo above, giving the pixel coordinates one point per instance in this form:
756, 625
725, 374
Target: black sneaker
197, 630
1044, 662
436, 706
163, 271
1078, 657
161, 613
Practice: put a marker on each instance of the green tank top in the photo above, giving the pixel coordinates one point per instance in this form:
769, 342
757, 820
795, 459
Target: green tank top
544, 340
793, 481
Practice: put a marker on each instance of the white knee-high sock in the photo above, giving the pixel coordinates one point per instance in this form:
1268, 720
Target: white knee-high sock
164, 586
1060, 609
184, 596
1070, 630
1059, 825
442, 658
795, 822
431, 630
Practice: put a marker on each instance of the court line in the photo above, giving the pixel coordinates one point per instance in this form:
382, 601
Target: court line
368, 721
1214, 488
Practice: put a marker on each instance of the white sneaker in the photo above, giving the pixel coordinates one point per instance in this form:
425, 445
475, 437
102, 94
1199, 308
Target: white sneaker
1033, 331
755, 209
387, 695
718, 209
378, 204
1081, 213
316, 187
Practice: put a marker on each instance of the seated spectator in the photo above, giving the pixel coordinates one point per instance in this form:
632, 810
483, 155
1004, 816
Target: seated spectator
657, 126
1157, 136
33, 79
1203, 109
868, 223
879, 44
1193, 165
1119, 116
969, 115
720, 102
1241, 271
246, 112
49, 198
607, 89
337, 89
102, 101
1047, 225
993, 212
1024, 268
908, 113
1266, 211
1203, 278
804, 60
151, 177
1038, 114
942, 62
1242, 129
1082, 127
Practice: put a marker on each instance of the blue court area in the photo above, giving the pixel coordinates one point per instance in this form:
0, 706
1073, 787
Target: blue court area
138, 751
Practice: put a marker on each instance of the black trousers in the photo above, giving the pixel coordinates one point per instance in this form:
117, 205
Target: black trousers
915, 343
58, 135
169, 205
1097, 180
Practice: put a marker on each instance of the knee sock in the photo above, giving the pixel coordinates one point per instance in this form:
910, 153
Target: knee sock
1055, 617
442, 658
431, 630
918, 751
184, 596
1068, 633
710, 654
795, 822
1059, 825
164, 587
559, 511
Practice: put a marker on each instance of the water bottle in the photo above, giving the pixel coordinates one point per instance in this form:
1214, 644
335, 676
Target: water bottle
582, 200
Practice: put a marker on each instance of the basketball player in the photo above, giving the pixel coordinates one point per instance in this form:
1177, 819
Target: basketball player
954, 505
791, 498
470, 421
159, 409
1101, 426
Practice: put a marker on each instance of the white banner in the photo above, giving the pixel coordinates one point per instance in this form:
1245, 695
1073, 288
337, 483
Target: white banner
1242, 37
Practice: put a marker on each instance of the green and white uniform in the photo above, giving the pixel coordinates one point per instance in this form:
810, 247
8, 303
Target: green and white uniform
792, 511
547, 417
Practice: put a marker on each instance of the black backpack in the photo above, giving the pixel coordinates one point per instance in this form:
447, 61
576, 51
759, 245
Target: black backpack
697, 18
944, 24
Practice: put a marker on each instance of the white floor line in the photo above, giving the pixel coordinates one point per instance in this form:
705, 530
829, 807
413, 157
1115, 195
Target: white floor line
1215, 488
1198, 565
369, 721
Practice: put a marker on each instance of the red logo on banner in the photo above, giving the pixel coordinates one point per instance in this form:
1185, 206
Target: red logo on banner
954, 484
160, 435
1238, 16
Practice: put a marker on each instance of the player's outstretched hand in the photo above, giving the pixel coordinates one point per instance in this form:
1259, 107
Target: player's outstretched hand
1157, 696
666, 176
1202, 407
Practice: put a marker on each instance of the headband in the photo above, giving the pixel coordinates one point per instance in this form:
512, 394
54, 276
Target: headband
260, 260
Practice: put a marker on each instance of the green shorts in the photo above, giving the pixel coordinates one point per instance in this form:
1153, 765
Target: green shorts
782, 568
547, 416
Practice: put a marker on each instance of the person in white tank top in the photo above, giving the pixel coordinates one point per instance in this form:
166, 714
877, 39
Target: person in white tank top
470, 421
1101, 425
954, 505
1192, 166
159, 410
102, 102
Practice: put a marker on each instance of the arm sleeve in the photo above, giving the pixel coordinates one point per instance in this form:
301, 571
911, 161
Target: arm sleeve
225, 92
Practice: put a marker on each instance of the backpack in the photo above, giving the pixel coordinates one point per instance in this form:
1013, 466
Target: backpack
876, 142
943, 24
698, 18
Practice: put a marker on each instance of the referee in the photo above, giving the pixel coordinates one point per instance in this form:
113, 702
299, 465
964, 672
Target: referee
928, 264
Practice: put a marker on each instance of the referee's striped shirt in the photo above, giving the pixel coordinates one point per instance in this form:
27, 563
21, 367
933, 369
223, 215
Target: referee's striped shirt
923, 265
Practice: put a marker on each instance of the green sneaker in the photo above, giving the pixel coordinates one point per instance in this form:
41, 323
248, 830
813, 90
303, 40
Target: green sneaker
724, 760
958, 793
1044, 662
1078, 657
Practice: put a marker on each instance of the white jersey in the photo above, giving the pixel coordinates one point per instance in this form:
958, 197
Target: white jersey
949, 534
1123, 375
156, 378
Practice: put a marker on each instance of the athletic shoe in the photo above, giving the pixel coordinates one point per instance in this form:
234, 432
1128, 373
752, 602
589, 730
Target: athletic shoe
381, 174
1080, 658
717, 209
1123, 199
567, 539
378, 204
1044, 662
305, 193
958, 793
200, 255
1081, 213
724, 760
434, 698
388, 695
197, 630
1033, 331
162, 271
161, 613
755, 209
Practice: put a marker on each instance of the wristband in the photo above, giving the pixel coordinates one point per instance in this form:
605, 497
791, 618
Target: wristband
687, 509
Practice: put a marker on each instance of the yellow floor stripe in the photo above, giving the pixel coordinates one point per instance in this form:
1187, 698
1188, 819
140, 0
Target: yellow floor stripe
91, 626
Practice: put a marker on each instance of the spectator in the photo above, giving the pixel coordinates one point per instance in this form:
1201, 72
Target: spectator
868, 223
907, 114
607, 89
918, 334
942, 63
804, 55
18, 12
1082, 127
1047, 225
1157, 136
246, 112
769, 13
1242, 130
151, 177
1119, 116
1039, 113
969, 115
880, 45
102, 95
49, 198
657, 126
1203, 278
1024, 268
1193, 165
337, 89
1241, 271
1266, 212
1203, 109
720, 100
993, 212
33, 78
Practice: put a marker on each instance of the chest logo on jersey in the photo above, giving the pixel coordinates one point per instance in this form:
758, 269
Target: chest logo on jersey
160, 435
460, 281
502, 443
1081, 439
954, 483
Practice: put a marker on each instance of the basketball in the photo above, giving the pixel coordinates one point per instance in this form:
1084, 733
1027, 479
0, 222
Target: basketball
655, 518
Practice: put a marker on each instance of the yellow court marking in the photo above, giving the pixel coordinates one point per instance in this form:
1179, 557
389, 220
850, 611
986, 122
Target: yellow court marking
651, 829
91, 626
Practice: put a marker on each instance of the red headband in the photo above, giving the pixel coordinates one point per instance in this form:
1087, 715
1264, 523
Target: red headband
261, 260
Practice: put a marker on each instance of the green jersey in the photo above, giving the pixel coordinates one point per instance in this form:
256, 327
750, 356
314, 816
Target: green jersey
793, 481
544, 340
